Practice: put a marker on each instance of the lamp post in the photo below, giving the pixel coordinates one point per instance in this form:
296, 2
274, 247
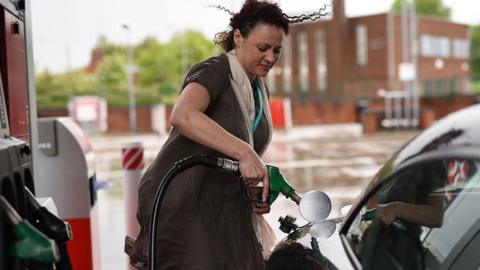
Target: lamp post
410, 56
414, 43
406, 52
131, 70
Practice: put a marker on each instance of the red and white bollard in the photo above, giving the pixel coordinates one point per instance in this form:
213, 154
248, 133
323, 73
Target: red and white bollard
132, 163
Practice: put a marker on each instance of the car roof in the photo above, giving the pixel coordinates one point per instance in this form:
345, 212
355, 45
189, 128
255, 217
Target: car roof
458, 129
454, 133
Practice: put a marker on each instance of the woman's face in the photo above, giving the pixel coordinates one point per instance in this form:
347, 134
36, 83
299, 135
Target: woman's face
260, 50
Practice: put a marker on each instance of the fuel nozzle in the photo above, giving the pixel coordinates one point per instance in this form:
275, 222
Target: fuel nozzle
287, 224
279, 184
48, 223
371, 213
31, 244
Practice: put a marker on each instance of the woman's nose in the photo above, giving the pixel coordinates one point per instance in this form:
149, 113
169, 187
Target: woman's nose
270, 57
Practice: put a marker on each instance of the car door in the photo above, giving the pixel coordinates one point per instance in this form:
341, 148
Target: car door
422, 216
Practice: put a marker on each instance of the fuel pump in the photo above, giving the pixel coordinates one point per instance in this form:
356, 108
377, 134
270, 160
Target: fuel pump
30, 243
52, 226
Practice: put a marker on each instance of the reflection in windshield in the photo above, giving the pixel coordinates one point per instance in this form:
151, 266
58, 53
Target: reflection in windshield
459, 173
397, 227
395, 215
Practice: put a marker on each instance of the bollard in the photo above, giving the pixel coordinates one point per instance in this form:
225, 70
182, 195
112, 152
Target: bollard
132, 163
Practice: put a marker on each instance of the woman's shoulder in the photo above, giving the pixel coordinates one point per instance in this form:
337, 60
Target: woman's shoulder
213, 74
215, 68
217, 63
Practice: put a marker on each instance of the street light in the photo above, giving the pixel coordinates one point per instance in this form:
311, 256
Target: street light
410, 56
131, 70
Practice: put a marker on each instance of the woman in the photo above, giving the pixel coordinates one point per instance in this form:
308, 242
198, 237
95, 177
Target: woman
222, 110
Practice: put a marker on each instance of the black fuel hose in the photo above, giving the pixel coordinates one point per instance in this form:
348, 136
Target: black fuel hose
222, 164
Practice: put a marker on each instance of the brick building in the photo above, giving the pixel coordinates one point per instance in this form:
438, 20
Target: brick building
327, 66
355, 57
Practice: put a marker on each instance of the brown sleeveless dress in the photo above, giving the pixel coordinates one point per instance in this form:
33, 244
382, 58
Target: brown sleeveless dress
200, 225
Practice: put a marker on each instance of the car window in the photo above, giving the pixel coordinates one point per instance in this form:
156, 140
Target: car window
422, 217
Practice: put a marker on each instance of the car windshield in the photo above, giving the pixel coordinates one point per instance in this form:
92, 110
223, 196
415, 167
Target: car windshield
424, 216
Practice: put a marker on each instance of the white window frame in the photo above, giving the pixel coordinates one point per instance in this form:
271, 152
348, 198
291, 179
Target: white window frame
435, 46
321, 54
302, 48
287, 65
461, 48
271, 84
361, 32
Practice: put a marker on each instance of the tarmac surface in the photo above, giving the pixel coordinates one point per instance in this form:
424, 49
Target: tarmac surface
336, 159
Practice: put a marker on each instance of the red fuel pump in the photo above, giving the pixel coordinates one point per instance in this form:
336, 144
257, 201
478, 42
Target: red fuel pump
21, 159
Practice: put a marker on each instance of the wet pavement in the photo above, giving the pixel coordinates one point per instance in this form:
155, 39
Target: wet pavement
336, 159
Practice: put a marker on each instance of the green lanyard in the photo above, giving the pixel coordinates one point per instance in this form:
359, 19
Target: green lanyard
258, 114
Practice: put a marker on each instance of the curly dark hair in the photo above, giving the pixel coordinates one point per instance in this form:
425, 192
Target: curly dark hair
254, 12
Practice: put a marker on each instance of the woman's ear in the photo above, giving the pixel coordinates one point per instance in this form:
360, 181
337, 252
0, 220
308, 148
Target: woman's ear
237, 37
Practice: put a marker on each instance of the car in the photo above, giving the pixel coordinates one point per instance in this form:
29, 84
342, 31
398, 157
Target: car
422, 209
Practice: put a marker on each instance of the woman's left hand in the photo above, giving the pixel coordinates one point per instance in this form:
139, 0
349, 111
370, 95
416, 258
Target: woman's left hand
261, 208
388, 212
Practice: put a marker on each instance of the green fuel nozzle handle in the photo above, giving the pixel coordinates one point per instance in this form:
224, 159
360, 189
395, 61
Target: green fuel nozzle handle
30, 243
372, 212
369, 214
34, 245
279, 184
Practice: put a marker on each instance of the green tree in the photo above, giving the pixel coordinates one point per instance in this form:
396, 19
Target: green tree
426, 7
162, 66
160, 72
475, 49
112, 78
475, 57
50, 92
55, 90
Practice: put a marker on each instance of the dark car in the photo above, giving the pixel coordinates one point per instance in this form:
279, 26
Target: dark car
422, 209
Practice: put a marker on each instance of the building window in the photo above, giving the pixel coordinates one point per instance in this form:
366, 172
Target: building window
440, 88
426, 46
287, 65
461, 48
466, 86
444, 47
362, 44
302, 45
435, 46
455, 86
427, 88
321, 52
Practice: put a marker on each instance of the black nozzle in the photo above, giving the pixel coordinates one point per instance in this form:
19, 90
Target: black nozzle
287, 224
52, 226
48, 223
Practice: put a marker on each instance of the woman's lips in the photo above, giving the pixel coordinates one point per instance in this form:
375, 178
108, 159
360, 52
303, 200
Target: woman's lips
265, 67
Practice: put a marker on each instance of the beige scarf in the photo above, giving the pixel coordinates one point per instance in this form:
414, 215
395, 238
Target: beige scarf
243, 91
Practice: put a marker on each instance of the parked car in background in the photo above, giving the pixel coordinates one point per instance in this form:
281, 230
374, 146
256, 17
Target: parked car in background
422, 209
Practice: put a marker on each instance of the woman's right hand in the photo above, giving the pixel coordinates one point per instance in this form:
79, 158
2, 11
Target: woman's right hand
253, 171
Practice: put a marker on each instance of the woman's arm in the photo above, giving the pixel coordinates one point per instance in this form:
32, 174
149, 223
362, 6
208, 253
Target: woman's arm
189, 118
429, 215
